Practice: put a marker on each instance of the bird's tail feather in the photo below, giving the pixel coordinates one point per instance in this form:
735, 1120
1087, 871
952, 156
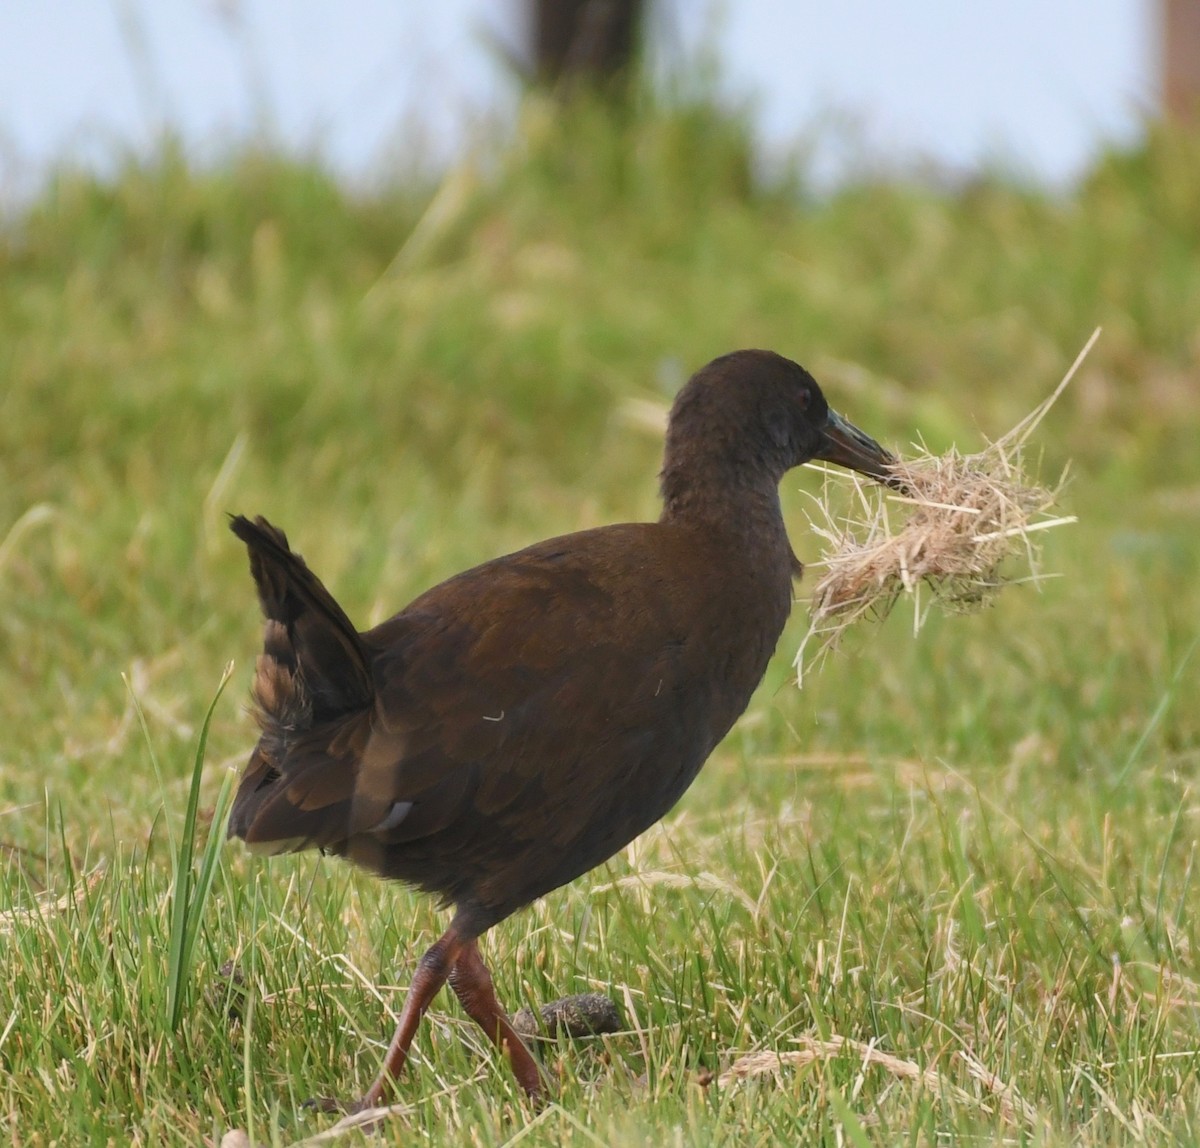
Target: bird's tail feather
312, 684
313, 666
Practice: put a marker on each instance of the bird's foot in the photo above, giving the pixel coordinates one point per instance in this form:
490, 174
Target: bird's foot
341, 1107
364, 1113
327, 1104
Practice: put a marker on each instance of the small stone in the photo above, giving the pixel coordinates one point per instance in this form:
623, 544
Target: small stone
584, 1014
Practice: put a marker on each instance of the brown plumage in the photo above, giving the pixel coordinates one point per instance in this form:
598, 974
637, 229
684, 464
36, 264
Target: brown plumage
521, 722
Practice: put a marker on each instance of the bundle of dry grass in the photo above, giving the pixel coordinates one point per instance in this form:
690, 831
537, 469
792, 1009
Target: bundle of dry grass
963, 517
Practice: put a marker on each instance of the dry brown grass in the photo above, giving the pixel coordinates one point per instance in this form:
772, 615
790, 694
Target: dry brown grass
963, 518
1012, 1108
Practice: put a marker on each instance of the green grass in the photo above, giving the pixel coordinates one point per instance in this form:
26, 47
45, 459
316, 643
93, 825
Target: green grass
973, 850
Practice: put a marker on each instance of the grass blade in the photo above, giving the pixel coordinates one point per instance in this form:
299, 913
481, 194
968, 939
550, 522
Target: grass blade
190, 888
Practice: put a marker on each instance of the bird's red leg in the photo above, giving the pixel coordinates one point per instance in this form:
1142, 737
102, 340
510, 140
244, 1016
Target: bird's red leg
432, 970
472, 984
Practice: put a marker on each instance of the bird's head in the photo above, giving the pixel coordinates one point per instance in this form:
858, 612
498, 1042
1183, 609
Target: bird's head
758, 415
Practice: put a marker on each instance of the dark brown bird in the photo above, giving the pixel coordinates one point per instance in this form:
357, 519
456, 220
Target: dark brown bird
521, 722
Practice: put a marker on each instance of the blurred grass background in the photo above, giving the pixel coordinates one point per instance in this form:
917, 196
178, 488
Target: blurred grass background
976, 843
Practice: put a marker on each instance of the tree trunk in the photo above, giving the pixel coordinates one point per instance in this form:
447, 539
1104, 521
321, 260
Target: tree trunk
1180, 41
594, 41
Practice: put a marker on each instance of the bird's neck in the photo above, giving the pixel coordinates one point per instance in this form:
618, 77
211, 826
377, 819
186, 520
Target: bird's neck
742, 511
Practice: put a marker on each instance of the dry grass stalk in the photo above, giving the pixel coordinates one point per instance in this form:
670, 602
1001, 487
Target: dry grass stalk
47, 905
1012, 1108
965, 516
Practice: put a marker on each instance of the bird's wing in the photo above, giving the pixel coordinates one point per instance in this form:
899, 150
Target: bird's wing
505, 689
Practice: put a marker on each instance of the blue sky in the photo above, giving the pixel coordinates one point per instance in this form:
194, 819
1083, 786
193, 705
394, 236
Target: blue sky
1034, 84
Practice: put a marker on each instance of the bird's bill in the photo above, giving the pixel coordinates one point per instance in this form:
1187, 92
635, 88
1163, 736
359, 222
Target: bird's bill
843, 443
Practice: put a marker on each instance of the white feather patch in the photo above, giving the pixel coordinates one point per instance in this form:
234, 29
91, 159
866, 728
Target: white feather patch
396, 814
